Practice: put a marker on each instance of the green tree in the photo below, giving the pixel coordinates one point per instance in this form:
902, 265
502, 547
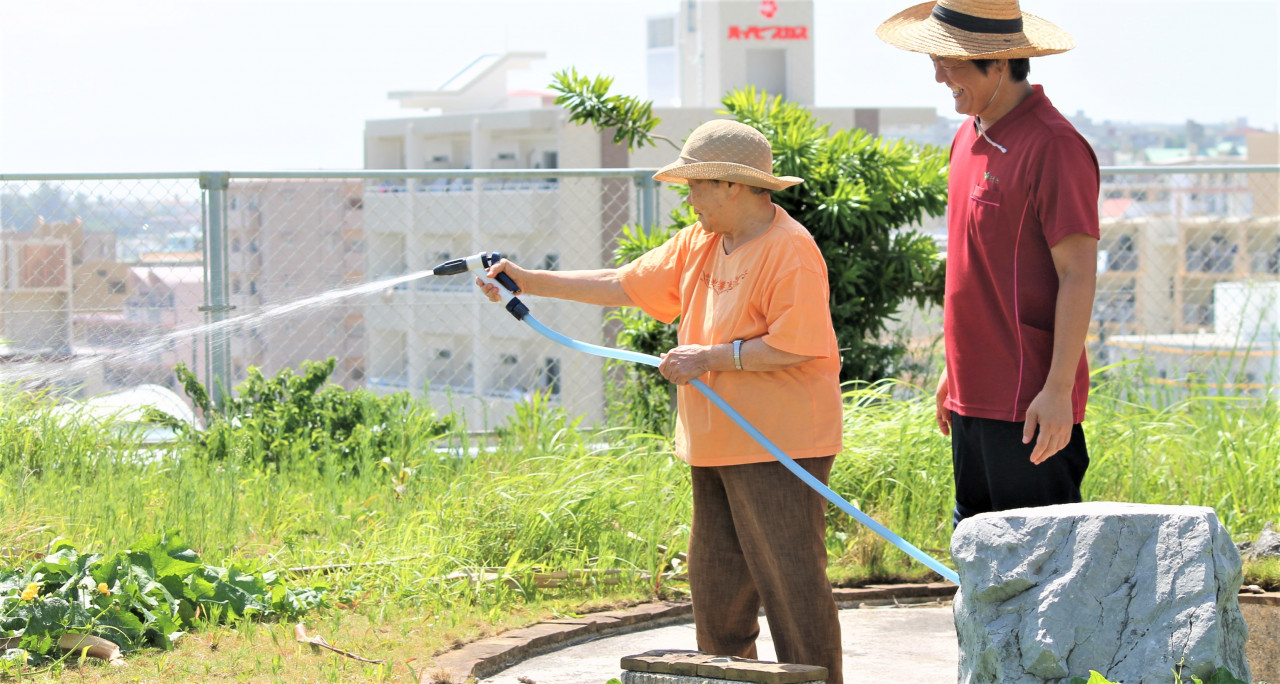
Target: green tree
860, 199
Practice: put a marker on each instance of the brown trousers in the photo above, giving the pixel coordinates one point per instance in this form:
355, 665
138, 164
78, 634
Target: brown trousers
759, 538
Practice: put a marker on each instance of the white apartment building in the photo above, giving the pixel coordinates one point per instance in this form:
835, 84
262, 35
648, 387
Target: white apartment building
440, 337
287, 240
711, 48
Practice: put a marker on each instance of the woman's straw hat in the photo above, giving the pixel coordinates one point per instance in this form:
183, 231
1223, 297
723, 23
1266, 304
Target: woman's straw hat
974, 29
728, 151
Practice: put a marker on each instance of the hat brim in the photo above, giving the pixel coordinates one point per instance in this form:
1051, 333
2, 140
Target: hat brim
916, 30
682, 172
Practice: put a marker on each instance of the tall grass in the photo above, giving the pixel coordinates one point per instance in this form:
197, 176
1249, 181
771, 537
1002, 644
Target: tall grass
1203, 451
1207, 451
542, 494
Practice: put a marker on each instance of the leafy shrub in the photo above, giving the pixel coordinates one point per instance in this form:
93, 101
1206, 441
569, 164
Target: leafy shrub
149, 595
860, 197
300, 416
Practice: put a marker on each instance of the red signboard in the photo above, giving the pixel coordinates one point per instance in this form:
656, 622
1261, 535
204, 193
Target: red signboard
768, 33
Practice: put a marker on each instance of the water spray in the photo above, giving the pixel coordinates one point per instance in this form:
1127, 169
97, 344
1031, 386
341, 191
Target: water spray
482, 261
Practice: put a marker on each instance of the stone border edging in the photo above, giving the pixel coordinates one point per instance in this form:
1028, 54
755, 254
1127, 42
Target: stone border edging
1268, 599
486, 657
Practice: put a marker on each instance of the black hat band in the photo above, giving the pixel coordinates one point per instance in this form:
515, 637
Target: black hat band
972, 24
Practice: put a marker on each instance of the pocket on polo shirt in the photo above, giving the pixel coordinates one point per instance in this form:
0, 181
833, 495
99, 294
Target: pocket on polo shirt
984, 199
984, 213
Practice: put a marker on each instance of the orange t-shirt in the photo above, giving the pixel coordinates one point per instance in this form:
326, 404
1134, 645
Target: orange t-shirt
774, 287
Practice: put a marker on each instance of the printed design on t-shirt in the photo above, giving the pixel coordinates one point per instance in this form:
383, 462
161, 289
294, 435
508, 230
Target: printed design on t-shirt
723, 286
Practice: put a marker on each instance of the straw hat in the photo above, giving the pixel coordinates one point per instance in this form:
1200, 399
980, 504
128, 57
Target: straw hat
727, 151
974, 29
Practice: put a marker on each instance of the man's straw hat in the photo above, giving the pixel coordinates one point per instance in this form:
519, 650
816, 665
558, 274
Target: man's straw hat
727, 151
974, 29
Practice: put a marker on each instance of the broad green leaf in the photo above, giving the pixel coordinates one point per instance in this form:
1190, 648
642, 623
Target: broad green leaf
1223, 676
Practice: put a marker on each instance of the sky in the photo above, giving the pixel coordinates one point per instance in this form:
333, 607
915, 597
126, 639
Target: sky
255, 85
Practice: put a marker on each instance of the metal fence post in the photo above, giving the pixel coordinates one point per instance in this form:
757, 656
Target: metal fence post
216, 296
648, 201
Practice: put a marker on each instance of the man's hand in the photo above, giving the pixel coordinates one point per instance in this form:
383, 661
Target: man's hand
684, 363
1051, 412
940, 399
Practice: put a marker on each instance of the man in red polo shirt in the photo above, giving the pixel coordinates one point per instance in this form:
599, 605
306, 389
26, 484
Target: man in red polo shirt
1022, 224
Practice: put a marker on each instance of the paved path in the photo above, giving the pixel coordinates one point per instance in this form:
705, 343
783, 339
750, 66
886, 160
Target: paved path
900, 644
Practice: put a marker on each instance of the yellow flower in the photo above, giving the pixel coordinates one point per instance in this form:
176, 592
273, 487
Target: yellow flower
102, 589
32, 591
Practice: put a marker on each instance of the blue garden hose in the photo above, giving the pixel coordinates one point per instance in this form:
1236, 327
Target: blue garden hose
521, 312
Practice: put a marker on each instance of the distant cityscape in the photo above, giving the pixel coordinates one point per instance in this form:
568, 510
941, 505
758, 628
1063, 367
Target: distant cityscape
89, 269
1120, 143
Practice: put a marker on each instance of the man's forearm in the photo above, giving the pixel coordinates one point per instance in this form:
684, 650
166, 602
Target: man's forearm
1071, 326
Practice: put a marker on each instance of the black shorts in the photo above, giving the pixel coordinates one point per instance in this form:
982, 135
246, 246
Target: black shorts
993, 469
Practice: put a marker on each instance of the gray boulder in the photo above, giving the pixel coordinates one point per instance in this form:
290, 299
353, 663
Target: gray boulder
1267, 545
1129, 590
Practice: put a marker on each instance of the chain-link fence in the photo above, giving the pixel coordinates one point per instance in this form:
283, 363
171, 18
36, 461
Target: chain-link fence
110, 280
1189, 277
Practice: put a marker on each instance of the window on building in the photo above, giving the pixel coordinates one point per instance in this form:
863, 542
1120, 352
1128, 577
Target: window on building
662, 32
551, 375
504, 160
117, 287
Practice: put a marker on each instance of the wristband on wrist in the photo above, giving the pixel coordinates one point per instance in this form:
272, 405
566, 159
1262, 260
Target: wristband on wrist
737, 354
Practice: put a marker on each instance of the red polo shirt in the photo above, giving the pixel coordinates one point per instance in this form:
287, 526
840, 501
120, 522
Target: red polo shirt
1005, 210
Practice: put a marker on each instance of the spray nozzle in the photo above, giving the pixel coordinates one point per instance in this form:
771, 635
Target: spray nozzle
454, 267
470, 263
476, 262
479, 263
